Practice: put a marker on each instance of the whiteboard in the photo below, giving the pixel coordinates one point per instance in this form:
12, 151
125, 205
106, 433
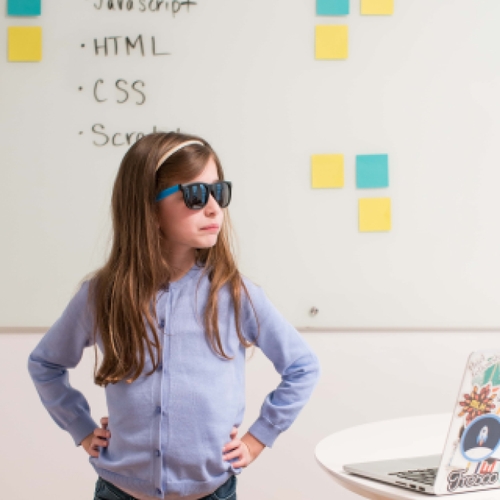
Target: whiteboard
421, 86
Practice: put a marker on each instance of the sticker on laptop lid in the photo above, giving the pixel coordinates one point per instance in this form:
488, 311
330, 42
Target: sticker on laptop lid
471, 460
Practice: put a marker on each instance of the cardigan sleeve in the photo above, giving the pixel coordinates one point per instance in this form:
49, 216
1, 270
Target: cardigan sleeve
59, 349
292, 358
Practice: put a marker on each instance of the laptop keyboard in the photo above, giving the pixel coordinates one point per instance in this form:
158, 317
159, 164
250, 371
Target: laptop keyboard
423, 476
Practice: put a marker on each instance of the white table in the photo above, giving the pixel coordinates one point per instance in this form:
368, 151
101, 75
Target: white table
428, 439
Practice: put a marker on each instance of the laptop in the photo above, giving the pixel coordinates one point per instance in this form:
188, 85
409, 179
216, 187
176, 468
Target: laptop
471, 457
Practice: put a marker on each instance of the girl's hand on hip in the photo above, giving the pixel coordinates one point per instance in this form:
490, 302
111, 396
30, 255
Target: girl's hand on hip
246, 449
97, 438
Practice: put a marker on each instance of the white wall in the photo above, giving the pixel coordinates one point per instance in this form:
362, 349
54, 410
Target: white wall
366, 377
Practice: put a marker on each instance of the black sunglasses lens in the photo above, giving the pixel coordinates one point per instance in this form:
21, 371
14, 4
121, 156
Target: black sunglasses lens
196, 195
222, 193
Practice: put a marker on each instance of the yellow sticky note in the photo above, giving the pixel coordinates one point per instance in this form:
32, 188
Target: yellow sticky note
374, 214
327, 171
25, 43
331, 42
377, 7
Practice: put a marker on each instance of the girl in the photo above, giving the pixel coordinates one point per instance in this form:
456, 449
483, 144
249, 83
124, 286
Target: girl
172, 317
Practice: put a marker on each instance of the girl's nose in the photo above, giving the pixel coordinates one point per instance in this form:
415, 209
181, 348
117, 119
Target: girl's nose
212, 206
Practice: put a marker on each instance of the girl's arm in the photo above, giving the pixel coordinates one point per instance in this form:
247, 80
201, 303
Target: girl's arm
59, 349
292, 358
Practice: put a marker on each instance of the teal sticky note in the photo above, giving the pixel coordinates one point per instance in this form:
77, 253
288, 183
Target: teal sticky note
372, 171
24, 7
332, 7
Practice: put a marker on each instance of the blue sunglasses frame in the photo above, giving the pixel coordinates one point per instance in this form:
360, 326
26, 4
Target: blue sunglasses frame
214, 189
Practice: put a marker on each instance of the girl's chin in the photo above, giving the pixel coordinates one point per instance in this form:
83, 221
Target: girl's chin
208, 243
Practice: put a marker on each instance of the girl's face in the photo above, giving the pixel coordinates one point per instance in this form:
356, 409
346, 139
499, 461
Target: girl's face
184, 229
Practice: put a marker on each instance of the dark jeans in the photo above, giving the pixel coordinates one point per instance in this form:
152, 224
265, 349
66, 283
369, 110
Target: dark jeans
104, 490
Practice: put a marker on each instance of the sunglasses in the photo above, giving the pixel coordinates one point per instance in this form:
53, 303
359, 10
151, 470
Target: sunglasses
196, 194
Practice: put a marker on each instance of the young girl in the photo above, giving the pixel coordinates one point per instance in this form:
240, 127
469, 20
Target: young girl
172, 317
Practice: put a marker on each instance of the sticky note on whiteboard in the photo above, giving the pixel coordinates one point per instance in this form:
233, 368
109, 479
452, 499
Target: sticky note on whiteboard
327, 171
331, 41
377, 7
372, 171
374, 214
24, 7
25, 43
332, 7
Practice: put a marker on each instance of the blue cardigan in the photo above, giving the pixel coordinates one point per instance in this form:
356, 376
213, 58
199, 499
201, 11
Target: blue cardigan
168, 429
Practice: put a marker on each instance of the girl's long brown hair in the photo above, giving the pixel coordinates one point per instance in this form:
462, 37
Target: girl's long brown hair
123, 291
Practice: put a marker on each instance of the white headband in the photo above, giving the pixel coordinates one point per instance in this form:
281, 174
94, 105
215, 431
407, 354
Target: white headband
172, 151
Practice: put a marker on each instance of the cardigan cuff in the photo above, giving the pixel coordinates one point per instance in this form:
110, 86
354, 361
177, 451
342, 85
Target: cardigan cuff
265, 431
81, 427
